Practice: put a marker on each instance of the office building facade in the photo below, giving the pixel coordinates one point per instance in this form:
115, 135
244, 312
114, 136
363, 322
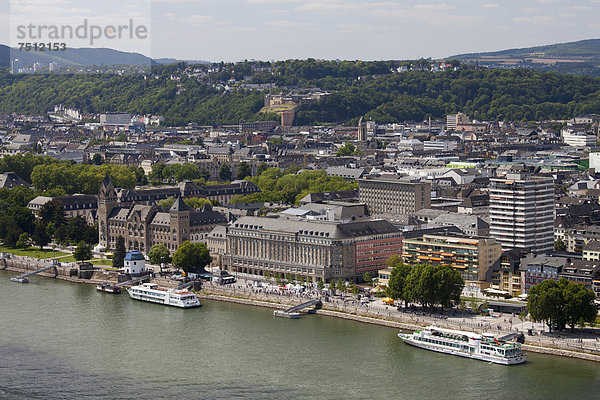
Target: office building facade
522, 212
394, 195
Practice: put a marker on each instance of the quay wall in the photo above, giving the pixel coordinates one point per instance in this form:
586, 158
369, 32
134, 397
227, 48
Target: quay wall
398, 321
332, 309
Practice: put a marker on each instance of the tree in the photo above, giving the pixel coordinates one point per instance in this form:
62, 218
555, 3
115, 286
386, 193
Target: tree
204, 174
545, 302
367, 277
262, 167
462, 306
225, 172
118, 260
191, 257
341, 286
579, 304
449, 285
23, 241
40, 234
332, 286
53, 211
348, 149
97, 159
320, 285
396, 288
244, 170
433, 285
559, 245
288, 278
159, 254
83, 251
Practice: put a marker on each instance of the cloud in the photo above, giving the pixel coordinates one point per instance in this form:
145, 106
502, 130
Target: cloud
289, 24
331, 6
535, 19
490, 5
440, 7
193, 19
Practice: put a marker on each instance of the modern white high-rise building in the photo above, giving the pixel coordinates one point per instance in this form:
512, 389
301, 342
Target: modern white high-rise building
522, 212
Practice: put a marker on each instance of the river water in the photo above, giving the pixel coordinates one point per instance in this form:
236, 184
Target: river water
60, 340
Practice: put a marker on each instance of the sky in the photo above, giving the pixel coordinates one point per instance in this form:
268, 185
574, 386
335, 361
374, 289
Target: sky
232, 30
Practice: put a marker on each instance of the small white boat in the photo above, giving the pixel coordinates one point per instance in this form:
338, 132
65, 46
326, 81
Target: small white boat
20, 279
285, 314
483, 347
153, 293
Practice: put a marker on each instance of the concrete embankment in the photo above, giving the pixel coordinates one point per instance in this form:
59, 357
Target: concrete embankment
552, 347
399, 321
68, 272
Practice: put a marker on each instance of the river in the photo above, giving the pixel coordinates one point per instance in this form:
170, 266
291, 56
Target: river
60, 340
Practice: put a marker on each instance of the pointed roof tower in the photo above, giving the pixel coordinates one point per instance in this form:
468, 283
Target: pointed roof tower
179, 205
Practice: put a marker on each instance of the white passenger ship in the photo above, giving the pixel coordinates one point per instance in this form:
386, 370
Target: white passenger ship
155, 294
483, 347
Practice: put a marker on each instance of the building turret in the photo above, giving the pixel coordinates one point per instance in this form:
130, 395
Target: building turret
107, 201
180, 221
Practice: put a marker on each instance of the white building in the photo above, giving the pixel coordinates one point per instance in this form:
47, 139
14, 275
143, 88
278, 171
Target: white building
135, 263
454, 119
595, 161
115, 119
578, 139
522, 212
439, 145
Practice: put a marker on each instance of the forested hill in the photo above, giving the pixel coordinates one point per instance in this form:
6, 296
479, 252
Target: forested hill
577, 58
357, 88
589, 48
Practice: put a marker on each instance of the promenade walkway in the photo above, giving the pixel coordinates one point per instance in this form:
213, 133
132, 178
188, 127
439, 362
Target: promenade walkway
587, 341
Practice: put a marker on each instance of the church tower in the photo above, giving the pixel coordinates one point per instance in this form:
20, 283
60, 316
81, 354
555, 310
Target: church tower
107, 202
362, 131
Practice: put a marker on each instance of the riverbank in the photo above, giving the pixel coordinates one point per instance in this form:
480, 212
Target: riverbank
336, 308
551, 346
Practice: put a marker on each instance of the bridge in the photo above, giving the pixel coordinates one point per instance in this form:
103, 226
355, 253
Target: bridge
37, 271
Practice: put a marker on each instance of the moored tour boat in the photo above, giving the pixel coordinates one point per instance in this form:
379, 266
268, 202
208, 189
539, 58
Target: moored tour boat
483, 347
108, 288
153, 293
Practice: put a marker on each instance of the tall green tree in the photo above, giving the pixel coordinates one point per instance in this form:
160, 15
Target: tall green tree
40, 234
397, 287
83, 251
244, 170
579, 304
118, 260
159, 254
545, 302
559, 245
191, 257
225, 172
24, 241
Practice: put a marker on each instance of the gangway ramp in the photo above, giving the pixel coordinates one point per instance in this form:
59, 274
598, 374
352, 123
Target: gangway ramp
312, 303
132, 281
294, 312
37, 271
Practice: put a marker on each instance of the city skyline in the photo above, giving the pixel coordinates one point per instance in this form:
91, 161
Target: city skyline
235, 30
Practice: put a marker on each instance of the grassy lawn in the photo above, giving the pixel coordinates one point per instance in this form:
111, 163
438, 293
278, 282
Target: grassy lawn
106, 263
33, 252
95, 261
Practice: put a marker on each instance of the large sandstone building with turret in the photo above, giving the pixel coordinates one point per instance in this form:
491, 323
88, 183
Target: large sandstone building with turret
144, 225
